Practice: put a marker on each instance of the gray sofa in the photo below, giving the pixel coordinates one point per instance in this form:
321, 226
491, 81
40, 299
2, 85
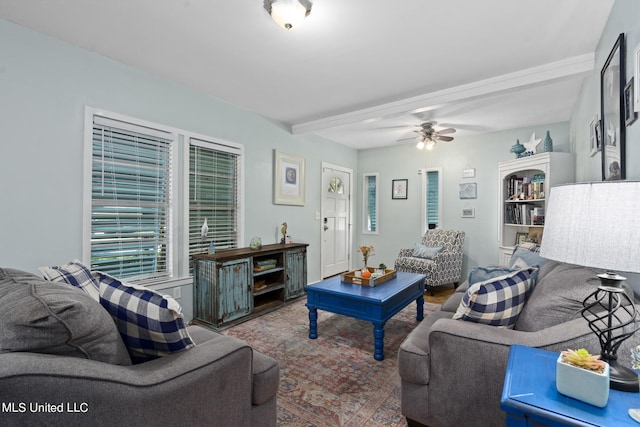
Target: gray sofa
65, 372
452, 371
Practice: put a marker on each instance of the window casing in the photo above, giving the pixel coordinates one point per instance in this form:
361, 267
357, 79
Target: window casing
370, 204
431, 198
139, 182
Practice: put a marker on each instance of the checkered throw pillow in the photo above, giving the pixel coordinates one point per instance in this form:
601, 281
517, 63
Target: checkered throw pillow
151, 325
74, 273
497, 301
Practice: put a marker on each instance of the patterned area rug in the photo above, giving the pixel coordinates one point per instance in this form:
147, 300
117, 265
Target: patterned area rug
332, 380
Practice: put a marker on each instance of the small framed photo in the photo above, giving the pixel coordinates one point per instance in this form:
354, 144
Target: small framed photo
598, 132
630, 115
468, 213
469, 173
399, 188
522, 238
594, 141
469, 190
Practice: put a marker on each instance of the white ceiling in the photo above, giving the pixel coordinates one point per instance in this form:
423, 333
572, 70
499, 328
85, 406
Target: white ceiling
359, 72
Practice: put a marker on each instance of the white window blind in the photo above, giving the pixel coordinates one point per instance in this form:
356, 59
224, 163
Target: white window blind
214, 172
131, 200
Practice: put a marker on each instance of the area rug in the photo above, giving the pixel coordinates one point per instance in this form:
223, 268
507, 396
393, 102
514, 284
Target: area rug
334, 379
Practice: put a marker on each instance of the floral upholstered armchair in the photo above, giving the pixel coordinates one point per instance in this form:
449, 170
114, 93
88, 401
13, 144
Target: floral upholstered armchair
439, 257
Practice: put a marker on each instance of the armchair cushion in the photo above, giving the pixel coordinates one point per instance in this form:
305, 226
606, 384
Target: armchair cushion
422, 251
39, 316
151, 325
497, 301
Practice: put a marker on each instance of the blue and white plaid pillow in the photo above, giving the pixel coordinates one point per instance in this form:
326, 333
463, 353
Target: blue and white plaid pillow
497, 301
74, 273
151, 325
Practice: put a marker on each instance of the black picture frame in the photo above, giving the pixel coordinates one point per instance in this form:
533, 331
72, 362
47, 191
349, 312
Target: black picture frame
399, 188
612, 82
630, 115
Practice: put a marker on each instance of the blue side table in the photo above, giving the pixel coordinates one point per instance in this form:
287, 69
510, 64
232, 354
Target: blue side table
530, 398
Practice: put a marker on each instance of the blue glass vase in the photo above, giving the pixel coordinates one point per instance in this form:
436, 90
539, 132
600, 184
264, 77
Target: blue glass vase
548, 143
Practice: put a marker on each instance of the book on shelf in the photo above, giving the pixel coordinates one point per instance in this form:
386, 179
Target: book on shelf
258, 268
525, 188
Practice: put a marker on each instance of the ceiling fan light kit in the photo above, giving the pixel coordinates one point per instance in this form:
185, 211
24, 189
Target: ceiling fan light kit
428, 136
288, 14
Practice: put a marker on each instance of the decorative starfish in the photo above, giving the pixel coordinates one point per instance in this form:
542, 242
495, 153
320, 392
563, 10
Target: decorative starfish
532, 143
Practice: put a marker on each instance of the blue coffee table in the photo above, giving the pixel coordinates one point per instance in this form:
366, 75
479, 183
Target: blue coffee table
375, 305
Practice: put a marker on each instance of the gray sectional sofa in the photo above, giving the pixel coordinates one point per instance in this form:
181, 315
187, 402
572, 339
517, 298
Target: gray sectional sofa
62, 363
452, 371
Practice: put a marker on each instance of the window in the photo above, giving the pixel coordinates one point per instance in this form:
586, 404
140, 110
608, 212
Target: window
431, 198
370, 203
134, 209
213, 194
131, 199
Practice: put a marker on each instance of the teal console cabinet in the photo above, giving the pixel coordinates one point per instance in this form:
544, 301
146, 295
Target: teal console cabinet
238, 284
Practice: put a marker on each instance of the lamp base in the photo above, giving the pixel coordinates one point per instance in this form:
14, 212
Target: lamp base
622, 378
612, 316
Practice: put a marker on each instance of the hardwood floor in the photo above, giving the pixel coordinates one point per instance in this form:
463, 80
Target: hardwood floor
440, 294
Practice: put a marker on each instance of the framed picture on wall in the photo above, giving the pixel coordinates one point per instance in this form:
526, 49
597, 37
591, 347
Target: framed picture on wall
636, 74
630, 115
399, 188
469, 190
594, 137
288, 179
612, 82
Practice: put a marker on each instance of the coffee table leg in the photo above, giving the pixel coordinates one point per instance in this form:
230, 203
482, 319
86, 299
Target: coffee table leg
313, 323
420, 308
378, 340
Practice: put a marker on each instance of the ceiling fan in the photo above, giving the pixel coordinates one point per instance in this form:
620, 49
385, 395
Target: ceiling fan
428, 136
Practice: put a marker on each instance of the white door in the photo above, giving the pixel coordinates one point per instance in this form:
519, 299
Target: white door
335, 219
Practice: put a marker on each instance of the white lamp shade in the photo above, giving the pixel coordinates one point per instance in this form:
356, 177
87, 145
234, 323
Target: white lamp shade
288, 13
594, 225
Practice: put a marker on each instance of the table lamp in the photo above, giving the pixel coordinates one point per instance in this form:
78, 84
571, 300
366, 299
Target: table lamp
596, 225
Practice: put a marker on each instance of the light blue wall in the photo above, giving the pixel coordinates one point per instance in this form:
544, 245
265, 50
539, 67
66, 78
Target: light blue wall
399, 220
44, 87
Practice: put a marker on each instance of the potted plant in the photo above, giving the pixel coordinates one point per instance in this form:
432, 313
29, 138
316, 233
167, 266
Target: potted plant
583, 376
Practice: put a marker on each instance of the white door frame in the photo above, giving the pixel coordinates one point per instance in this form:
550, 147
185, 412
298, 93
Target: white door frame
349, 172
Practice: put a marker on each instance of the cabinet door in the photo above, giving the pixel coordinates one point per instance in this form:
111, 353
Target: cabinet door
204, 283
296, 272
234, 297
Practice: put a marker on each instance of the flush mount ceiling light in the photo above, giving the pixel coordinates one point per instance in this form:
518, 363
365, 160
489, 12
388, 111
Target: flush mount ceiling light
288, 14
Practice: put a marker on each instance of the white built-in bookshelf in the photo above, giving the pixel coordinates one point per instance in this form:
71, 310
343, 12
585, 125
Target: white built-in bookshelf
524, 184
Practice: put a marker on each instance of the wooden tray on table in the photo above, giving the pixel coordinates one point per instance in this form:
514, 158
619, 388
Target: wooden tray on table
350, 277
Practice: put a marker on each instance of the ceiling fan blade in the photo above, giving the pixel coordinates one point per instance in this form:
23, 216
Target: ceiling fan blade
443, 138
414, 138
446, 131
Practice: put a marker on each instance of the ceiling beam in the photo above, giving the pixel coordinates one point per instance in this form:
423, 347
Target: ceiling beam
529, 77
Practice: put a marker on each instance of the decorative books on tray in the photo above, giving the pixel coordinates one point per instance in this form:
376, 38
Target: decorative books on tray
375, 279
264, 264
